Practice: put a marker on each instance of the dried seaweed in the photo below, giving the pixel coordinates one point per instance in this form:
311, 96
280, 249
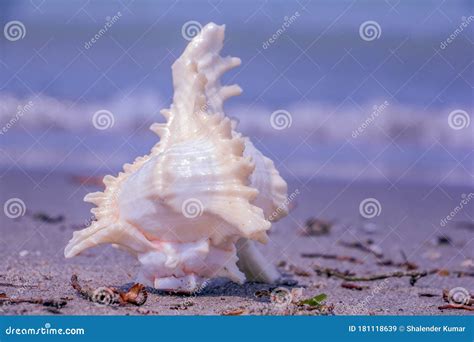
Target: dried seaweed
332, 257
301, 272
367, 246
330, 272
406, 264
55, 303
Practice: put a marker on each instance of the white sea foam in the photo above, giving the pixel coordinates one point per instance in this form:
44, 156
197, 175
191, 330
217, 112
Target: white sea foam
313, 122
310, 147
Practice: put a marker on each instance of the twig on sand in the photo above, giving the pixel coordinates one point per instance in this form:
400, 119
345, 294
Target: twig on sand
352, 286
428, 294
456, 306
136, 295
299, 271
367, 246
16, 285
332, 257
55, 303
460, 274
330, 272
406, 264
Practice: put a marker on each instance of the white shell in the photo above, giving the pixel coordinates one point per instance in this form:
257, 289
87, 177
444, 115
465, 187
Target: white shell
181, 209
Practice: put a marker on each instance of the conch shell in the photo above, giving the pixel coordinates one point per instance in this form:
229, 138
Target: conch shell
202, 194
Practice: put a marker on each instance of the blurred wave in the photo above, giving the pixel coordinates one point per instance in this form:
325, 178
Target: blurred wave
322, 140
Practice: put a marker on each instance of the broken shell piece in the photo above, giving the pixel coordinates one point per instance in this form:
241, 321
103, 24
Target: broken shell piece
182, 209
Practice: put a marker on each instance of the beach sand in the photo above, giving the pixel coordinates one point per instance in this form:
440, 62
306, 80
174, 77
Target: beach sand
32, 262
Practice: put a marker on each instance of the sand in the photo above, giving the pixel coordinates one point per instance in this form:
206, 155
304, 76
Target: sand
32, 262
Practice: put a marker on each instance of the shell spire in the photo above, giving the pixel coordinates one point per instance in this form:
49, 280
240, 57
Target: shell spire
182, 208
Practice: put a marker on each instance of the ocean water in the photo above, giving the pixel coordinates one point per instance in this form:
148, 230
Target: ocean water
351, 106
